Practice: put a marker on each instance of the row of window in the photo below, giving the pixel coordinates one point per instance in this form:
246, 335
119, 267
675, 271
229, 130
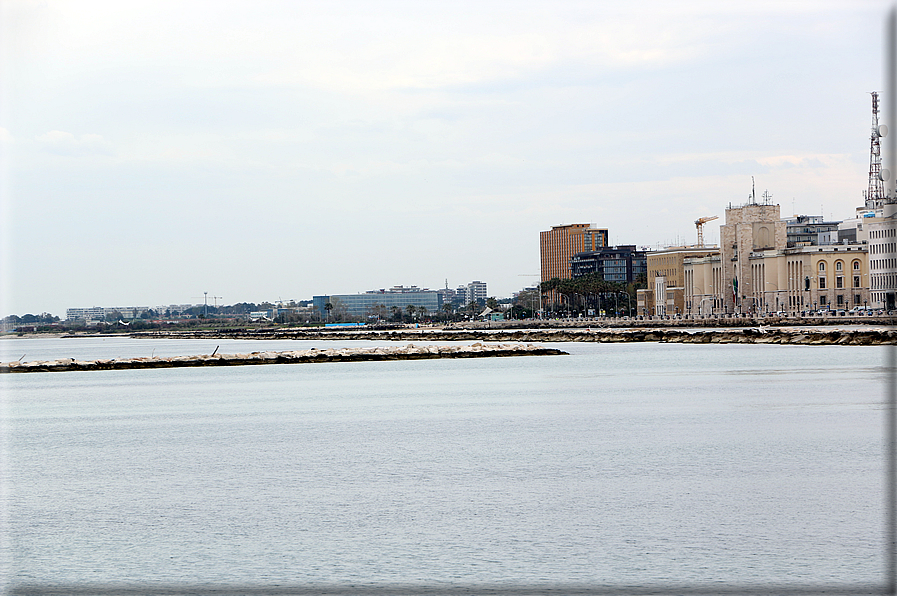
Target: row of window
839, 266
823, 300
839, 282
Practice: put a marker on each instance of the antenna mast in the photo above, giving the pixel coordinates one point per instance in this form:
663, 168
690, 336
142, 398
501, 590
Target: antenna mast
875, 195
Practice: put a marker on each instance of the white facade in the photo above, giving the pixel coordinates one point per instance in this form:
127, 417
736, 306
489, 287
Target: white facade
883, 259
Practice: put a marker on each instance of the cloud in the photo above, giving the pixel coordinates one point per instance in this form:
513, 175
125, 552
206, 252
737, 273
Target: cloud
65, 143
5, 136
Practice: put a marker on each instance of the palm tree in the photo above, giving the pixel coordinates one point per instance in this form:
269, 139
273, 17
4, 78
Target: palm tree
447, 308
410, 308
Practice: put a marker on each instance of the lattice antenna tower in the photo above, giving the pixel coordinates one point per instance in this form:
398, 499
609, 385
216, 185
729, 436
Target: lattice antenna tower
875, 194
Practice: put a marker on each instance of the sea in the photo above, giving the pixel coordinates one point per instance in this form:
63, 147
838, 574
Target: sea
640, 464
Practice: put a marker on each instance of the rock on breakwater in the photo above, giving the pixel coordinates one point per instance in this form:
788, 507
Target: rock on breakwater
409, 352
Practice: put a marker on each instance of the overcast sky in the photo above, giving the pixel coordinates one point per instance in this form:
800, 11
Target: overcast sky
153, 151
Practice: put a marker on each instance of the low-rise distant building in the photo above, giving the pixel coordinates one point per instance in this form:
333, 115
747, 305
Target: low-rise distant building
377, 303
102, 313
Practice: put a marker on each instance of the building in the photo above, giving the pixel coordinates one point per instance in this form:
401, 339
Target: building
883, 259
475, 291
810, 230
749, 230
95, 313
704, 285
619, 264
666, 279
559, 244
377, 303
101, 313
756, 271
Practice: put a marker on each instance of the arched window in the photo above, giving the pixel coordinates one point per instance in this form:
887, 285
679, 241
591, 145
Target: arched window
856, 265
821, 266
839, 266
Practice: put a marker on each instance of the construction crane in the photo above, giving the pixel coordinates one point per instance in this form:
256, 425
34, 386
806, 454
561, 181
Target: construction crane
699, 223
205, 296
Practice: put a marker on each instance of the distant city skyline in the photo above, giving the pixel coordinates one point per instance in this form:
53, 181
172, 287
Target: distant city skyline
151, 151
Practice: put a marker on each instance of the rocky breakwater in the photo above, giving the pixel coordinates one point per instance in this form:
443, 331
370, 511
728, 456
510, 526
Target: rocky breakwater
752, 335
409, 352
855, 336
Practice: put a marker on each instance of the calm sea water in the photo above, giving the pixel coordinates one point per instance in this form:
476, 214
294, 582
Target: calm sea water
618, 464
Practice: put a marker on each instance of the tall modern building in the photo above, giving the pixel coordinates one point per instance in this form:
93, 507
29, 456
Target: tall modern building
560, 243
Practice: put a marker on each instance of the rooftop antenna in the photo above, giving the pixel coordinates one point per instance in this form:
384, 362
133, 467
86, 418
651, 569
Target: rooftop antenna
875, 195
767, 198
753, 192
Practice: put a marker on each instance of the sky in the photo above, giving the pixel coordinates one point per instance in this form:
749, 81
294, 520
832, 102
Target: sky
262, 151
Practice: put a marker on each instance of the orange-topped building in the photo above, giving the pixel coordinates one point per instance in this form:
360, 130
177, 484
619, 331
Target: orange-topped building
560, 243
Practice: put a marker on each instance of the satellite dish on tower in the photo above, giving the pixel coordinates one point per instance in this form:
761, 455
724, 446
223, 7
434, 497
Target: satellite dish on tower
884, 174
882, 131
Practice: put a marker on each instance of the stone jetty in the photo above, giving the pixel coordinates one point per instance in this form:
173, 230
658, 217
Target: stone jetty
409, 352
858, 336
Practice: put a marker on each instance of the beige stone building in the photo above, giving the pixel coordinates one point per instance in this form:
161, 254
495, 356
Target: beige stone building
756, 272
666, 279
750, 230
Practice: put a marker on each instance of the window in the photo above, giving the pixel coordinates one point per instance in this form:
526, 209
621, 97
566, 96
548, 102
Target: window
821, 283
840, 299
839, 266
821, 266
856, 265
856, 281
839, 282
822, 301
